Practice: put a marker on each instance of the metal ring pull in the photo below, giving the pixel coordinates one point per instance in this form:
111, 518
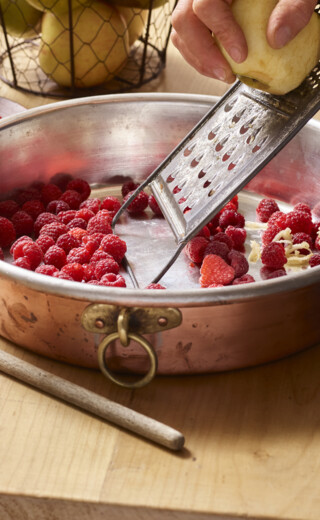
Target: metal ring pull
147, 347
123, 327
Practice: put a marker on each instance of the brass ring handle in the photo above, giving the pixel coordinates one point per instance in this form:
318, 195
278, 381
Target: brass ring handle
147, 347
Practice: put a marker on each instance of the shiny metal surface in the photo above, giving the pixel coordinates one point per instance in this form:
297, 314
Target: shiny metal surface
107, 140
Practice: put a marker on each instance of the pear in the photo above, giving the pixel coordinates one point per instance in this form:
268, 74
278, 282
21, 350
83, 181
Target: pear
135, 19
100, 45
140, 4
277, 71
20, 18
57, 6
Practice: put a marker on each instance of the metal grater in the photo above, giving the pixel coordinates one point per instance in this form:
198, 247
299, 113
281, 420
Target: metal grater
223, 152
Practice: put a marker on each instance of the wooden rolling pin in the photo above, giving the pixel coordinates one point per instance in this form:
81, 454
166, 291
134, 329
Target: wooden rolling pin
91, 402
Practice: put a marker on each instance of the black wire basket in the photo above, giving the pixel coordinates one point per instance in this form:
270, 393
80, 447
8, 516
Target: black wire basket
74, 48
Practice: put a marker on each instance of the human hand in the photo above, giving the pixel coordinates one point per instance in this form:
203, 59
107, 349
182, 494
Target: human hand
194, 21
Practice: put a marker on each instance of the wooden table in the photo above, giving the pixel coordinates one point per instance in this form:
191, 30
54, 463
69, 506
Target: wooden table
252, 436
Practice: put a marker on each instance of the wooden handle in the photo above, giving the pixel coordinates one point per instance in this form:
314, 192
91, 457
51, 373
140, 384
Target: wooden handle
91, 402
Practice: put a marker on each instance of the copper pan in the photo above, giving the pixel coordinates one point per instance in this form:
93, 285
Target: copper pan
108, 139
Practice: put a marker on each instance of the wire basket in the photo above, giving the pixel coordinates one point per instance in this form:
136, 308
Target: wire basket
74, 48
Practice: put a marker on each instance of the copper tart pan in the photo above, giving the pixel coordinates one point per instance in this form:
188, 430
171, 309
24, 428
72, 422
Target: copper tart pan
188, 330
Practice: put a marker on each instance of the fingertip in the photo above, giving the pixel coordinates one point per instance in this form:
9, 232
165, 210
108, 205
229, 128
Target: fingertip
281, 37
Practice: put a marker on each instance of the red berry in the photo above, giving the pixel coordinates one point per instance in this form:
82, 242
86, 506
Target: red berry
16, 250
214, 270
63, 276
44, 242
61, 180
8, 208
238, 262
27, 194
246, 278
55, 256
195, 249
23, 223
109, 265
314, 260
299, 221
92, 242
79, 255
265, 209
92, 204
298, 238
78, 233
99, 224
269, 234
1, 254
56, 206
54, 230
139, 203
33, 208
238, 236
99, 255
77, 223
67, 242
204, 232
267, 273
50, 192
317, 242
85, 214
32, 251
222, 237
154, 206
81, 186
278, 218
66, 216
88, 272
215, 247
112, 280
302, 206
72, 198
127, 187
74, 270
49, 270
273, 255
214, 223
7, 232
155, 286
23, 262
230, 217
42, 220
115, 246
112, 204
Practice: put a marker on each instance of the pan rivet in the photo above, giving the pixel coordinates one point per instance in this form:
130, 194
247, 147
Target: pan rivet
162, 321
99, 323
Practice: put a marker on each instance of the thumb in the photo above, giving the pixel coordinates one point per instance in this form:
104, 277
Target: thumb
287, 19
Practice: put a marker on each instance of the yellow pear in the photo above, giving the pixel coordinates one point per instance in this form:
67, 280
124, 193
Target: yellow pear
100, 45
135, 19
58, 6
140, 4
275, 71
20, 18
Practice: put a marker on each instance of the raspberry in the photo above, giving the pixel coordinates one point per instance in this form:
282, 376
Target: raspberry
81, 186
139, 203
66, 216
54, 230
301, 206
92, 242
246, 278
99, 255
16, 249
109, 265
42, 220
154, 206
74, 270
195, 249
265, 209
88, 272
77, 223
214, 270
204, 232
235, 201
92, 204
44, 242
77, 233
127, 187
273, 255
299, 221
155, 286
33, 208
215, 247
238, 236
269, 234
23, 223
230, 205
67, 242
1, 254
63, 276
214, 223
114, 246
230, 217
112, 280
222, 237
61, 180
7, 232
49, 193
23, 262
49, 270
315, 230
99, 224
72, 198
27, 194
267, 273
317, 242
94, 282
56, 206
85, 214
78, 255
298, 238
238, 262
8, 208
112, 204
278, 218
55, 256
32, 251
314, 260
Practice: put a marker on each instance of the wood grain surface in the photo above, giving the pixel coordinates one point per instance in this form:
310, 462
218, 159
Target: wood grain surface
252, 445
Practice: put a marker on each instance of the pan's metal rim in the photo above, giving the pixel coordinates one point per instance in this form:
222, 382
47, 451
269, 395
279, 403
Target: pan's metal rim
126, 296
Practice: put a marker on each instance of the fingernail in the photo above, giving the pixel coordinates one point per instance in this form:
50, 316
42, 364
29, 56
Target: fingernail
282, 36
236, 54
220, 74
